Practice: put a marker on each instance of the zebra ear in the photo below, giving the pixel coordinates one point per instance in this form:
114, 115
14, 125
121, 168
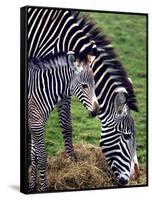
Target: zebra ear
74, 64
71, 58
120, 100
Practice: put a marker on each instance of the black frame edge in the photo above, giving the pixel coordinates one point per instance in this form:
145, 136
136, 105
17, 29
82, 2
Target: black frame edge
23, 101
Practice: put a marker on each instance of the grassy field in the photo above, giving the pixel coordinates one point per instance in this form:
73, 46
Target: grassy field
128, 35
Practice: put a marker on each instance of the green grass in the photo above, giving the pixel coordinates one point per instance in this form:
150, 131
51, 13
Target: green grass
128, 35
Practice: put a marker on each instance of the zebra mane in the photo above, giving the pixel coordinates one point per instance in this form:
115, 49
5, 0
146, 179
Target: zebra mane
94, 33
48, 62
103, 45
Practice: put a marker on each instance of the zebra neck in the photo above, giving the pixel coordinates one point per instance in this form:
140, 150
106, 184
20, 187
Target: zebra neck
51, 84
106, 113
62, 77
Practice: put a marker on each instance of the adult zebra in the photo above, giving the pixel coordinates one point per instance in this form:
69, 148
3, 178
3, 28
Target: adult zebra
55, 30
50, 81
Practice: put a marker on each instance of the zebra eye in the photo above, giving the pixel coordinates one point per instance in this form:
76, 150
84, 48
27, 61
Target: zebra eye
84, 86
127, 136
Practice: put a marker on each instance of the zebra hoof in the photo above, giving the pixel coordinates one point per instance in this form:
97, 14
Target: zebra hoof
31, 190
73, 157
43, 188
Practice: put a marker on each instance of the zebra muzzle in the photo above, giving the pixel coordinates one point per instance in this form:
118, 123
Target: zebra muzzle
122, 181
95, 110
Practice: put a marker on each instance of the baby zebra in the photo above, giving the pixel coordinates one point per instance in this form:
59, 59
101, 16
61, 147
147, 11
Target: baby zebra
50, 82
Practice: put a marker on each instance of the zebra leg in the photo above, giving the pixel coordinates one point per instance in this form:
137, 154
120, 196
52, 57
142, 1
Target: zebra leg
38, 157
41, 157
64, 112
29, 148
32, 179
42, 163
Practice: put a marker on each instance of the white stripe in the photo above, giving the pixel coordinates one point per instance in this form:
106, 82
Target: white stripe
67, 33
45, 49
130, 80
47, 77
39, 88
49, 31
121, 89
85, 46
35, 94
101, 78
45, 24
110, 78
79, 41
80, 31
31, 31
46, 97
52, 83
98, 58
32, 16
105, 99
37, 43
124, 169
29, 10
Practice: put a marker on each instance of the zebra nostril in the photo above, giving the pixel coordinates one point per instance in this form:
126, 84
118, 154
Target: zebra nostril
122, 181
92, 113
96, 108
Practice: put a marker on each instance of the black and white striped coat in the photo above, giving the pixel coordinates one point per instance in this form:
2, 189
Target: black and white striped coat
56, 30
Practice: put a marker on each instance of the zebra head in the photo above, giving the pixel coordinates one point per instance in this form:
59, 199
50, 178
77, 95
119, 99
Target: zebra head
118, 138
83, 85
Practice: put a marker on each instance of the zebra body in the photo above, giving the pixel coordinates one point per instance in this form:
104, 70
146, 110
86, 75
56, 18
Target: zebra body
64, 30
50, 82
51, 31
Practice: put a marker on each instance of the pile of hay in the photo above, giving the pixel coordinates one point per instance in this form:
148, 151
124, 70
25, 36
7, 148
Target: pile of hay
89, 171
